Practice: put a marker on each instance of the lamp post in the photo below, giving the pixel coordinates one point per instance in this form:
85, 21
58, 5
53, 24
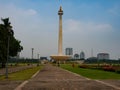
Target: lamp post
7, 57
32, 54
10, 32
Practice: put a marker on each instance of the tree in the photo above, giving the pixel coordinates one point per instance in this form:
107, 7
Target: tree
3, 45
14, 44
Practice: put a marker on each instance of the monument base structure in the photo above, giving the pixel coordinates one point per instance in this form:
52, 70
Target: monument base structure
60, 57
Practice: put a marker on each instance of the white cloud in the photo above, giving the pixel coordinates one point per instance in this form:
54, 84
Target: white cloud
10, 10
78, 26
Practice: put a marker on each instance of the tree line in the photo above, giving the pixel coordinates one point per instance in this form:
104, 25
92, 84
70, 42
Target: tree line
8, 41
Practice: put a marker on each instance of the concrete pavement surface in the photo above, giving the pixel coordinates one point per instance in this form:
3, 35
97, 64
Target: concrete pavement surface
55, 78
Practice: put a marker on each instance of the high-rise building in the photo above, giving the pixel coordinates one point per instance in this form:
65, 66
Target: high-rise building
82, 55
102, 56
69, 51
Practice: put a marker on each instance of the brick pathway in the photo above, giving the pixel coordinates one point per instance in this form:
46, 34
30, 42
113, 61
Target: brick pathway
55, 78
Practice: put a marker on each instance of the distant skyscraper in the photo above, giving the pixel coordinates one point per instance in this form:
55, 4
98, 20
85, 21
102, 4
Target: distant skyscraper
82, 55
102, 56
69, 51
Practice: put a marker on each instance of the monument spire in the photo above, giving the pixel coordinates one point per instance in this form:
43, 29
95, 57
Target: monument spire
60, 55
60, 13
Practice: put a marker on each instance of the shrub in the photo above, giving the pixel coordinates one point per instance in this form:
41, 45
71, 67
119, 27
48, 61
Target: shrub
118, 71
83, 66
109, 68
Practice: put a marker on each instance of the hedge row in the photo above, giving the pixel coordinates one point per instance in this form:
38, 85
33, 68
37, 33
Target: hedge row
102, 67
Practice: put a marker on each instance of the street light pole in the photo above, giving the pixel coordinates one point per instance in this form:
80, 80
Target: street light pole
32, 54
7, 57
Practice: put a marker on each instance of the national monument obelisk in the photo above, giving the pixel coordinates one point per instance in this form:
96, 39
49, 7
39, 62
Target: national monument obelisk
60, 13
60, 55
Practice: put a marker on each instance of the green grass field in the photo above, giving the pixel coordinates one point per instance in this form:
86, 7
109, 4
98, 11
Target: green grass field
91, 73
22, 75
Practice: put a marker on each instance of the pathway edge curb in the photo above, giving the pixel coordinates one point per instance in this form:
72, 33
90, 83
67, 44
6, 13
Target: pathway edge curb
76, 74
19, 87
107, 84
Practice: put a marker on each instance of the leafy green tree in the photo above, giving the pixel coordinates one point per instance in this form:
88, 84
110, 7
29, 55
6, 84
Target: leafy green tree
3, 47
6, 33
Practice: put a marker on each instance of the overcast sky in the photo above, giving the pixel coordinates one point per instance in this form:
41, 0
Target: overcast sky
87, 24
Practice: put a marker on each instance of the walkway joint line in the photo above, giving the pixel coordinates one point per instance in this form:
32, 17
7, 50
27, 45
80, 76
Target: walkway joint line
76, 74
21, 85
25, 82
110, 85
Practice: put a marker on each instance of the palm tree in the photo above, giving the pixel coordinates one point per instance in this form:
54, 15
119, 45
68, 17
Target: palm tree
7, 26
7, 48
7, 29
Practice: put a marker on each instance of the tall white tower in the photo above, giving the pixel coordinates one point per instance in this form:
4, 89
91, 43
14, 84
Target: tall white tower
60, 13
60, 55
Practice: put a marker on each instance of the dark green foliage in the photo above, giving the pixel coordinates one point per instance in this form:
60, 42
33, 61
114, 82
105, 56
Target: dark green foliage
118, 71
3, 45
14, 45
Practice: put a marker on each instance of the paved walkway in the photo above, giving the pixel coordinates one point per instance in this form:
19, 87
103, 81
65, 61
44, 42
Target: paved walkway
55, 78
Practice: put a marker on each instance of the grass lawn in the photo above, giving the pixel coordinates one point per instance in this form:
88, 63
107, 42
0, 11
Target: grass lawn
22, 75
90, 73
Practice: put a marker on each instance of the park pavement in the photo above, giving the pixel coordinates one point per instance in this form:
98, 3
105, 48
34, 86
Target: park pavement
55, 78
